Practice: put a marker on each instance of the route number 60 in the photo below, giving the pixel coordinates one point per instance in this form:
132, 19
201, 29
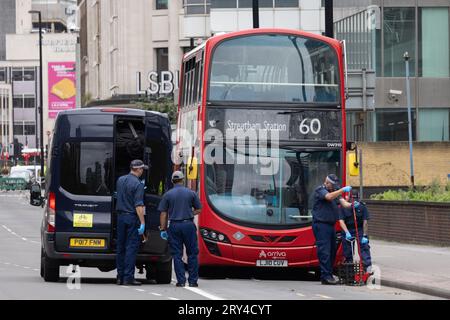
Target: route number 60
313, 127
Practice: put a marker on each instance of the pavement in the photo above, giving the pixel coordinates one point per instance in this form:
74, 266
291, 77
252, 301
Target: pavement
20, 259
419, 268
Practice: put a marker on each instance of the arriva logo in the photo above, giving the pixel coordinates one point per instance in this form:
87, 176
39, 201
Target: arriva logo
272, 254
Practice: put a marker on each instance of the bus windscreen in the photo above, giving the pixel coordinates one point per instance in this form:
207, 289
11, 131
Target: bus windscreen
274, 68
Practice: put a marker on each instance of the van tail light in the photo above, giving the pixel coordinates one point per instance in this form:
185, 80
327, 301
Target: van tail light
51, 212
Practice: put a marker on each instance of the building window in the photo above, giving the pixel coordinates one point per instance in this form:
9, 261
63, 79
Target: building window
286, 3
29, 102
218, 4
2, 74
18, 129
399, 37
17, 74
21, 101
18, 102
162, 4
434, 124
392, 125
196, 6
28, 74
262, 3
434, 42
29, 129
162, 60
23, 74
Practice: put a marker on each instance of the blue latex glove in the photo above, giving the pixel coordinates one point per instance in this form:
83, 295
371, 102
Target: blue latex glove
348, 235
164, 235
141, 229
356, 204
364, 240
347, 188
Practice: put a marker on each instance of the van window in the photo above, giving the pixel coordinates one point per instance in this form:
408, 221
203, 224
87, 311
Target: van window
86, 168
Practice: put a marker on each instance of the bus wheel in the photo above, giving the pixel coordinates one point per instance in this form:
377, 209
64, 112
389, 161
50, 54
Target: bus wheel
160, 272
49, 269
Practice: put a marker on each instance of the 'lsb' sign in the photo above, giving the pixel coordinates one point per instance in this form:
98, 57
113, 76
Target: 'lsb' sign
163, 83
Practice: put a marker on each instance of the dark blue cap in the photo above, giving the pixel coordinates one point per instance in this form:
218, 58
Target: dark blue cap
137, 164
334, 180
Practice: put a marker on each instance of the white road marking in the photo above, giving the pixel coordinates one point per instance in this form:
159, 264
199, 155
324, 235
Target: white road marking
156, 294
204, 293
172, 298
19, 236
201, 292
300, 294
140, 290
323, 296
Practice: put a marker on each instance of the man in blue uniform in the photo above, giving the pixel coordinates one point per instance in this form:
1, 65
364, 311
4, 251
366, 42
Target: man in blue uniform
176, 206
130, 222
325, 212
347, 222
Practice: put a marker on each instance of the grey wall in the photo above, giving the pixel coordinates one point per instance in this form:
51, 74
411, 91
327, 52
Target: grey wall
7, 23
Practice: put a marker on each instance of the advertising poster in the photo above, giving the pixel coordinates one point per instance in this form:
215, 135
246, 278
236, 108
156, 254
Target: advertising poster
61, 87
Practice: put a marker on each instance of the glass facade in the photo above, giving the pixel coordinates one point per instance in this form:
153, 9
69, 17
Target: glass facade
399, 37
392, 125
434, 42
434, 124
422, 31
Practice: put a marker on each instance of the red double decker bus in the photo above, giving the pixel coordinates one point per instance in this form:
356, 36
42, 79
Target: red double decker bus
261, 122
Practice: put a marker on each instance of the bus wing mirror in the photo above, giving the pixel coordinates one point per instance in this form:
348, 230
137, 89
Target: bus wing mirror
353, 164
192, 168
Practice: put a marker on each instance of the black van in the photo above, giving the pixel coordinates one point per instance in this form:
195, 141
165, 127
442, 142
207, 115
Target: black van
90, 149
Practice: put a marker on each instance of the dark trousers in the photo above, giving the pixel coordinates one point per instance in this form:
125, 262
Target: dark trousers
127, 246
365, 249
325, 235
184, 233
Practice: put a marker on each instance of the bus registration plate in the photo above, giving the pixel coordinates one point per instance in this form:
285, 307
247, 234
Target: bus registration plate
271, 263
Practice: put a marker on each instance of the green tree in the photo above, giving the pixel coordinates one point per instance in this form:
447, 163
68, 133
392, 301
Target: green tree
163, 105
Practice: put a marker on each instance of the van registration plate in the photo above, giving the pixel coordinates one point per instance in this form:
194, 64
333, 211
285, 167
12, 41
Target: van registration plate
87, 243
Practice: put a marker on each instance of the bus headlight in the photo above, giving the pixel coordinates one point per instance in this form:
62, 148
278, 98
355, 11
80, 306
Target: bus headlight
213, 235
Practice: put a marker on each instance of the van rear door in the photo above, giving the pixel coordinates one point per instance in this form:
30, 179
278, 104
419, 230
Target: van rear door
83, 184
158, 148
